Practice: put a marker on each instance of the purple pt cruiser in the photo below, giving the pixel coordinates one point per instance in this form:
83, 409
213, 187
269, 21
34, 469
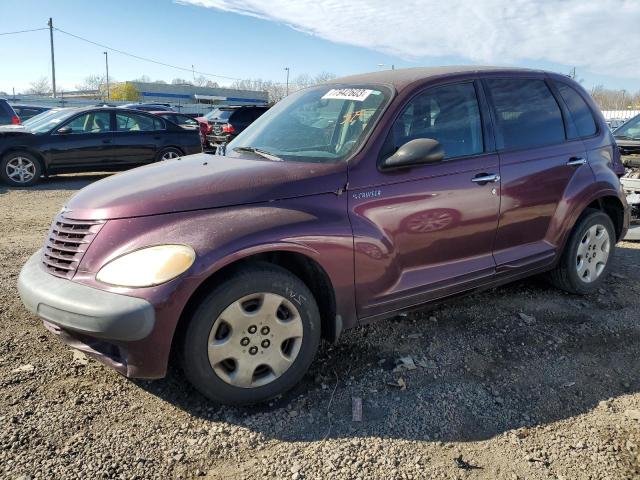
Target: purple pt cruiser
347, 202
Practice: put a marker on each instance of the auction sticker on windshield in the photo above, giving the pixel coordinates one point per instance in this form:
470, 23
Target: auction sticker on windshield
357, 94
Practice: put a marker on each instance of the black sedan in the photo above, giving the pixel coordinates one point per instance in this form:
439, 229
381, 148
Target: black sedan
89, 139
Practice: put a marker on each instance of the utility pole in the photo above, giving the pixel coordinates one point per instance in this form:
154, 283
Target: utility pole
287, 69
53, 61
193, 71
106, 62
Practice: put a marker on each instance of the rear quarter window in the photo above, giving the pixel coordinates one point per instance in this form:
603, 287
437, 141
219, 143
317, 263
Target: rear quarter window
527, 113
580, 111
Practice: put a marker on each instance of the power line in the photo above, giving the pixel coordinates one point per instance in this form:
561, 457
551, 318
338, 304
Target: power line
24, 31
138, 57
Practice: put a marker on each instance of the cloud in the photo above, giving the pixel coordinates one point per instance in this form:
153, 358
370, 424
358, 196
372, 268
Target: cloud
599, 35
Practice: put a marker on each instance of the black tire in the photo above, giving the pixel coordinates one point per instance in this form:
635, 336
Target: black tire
565, 275
168, 150
251, 280
34, 170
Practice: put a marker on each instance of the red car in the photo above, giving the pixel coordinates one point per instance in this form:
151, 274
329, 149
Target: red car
347, 202
187, 121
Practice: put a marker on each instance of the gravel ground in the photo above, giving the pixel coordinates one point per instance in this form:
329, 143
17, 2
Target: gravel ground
521, 382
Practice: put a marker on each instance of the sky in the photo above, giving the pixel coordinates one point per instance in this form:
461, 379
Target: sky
248, 39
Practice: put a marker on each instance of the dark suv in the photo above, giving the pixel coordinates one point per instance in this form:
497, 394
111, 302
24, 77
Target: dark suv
351, 201
7, 115
227, 122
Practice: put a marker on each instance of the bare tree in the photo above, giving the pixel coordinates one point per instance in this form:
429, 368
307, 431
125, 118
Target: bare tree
323, 77
277, 91
143, 79
180, 81
93, 82
203, 81
615, 99
40, 87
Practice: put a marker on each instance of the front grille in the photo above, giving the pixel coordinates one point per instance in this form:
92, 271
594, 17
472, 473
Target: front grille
66, 244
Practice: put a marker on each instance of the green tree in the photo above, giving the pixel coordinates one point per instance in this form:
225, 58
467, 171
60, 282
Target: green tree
124, 91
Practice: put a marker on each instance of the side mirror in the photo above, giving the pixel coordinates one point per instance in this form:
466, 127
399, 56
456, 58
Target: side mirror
64, 130
420, 151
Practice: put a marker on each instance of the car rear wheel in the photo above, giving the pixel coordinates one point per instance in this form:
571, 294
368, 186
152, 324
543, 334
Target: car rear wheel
20, 169
253, 337
588, 255
168, 153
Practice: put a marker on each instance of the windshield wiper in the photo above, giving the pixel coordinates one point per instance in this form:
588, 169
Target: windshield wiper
257, 151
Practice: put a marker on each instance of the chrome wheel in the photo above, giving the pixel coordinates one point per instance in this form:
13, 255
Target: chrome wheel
593, 253
255, 340
21, 169
171, 154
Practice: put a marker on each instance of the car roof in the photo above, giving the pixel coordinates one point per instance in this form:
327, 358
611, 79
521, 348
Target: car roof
115, 109
402, 77
24, 105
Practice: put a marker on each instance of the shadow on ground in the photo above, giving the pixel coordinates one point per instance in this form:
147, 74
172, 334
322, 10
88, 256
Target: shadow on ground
485, 369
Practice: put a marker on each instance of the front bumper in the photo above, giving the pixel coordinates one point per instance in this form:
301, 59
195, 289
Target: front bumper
81, 309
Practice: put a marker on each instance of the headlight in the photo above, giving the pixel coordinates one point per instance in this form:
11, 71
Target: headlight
148, 266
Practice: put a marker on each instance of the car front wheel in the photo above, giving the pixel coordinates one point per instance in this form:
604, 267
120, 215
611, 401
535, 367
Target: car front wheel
20, 169
253, 337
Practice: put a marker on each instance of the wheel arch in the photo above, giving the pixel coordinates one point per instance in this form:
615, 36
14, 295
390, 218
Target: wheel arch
177, 147
598, 197
21, 148
613, 207
302, 265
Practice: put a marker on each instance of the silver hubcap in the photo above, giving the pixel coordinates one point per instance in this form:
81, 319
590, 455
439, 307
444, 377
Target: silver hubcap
255, 340
169, 155
593, 253
20, 169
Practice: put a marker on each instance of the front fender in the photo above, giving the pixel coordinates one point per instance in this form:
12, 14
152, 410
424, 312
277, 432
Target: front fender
315, 226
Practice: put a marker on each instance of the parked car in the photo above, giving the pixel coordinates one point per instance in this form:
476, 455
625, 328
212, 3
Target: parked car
7, 115
628, 139
148, 107
354, 200
25, 112
89, 139
186, 121
228, 122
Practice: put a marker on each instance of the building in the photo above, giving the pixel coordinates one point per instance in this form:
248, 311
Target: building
192, 99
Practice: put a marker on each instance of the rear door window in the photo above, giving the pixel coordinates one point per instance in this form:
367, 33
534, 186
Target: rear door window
449, 114
580, 111
527, 113
132, 122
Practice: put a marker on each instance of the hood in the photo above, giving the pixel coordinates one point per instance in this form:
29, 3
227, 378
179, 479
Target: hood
199, 182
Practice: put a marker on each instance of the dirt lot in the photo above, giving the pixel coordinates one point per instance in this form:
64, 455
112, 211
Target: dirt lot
521, 382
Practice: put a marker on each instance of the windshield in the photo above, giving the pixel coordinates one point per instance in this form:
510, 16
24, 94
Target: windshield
41, 116
49, 120
321, 124
630, 130
218, 114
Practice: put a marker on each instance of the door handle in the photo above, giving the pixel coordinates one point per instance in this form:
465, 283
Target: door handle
486, 178
576, 161
106, 140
